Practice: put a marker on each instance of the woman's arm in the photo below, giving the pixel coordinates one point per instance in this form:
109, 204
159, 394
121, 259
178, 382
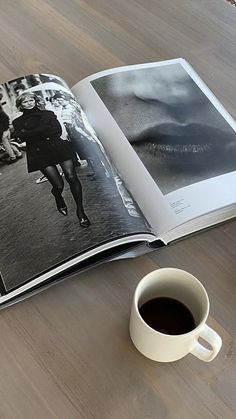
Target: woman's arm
6, 134
19, 131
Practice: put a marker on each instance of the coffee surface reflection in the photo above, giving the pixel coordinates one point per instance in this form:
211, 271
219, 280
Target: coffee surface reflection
168, 316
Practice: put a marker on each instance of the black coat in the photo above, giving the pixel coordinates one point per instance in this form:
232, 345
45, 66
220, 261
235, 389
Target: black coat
4, 123
41, 131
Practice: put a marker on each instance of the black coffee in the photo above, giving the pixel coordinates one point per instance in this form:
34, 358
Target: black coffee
167, 315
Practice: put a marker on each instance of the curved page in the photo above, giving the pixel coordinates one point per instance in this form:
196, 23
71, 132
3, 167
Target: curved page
62, 199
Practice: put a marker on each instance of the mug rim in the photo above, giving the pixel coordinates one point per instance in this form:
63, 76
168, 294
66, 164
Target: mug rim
193, 331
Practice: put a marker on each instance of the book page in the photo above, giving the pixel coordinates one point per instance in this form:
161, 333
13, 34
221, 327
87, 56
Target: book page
178, 129
61, 196
139, 181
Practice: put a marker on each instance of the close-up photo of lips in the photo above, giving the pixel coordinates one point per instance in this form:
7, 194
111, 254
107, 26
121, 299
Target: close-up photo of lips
174, 128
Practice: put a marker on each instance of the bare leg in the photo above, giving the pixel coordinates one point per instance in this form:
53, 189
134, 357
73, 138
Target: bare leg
16, 151
8, 148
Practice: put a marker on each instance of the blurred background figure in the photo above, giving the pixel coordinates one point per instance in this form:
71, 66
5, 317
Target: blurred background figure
10, 149
18, 89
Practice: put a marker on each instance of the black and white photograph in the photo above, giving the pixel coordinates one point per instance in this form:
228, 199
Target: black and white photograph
172, 125
60, 193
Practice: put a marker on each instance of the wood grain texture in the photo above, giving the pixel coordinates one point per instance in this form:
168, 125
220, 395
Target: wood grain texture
66, 353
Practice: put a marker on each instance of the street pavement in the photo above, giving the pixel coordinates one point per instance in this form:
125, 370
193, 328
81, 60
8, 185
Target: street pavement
35, 236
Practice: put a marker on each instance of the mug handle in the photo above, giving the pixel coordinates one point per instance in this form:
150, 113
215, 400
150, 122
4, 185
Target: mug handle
210, 336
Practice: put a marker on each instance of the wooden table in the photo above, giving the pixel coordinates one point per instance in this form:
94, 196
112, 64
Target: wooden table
66, 353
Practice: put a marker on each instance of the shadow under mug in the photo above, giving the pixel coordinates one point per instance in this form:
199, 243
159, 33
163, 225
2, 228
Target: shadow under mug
184, 287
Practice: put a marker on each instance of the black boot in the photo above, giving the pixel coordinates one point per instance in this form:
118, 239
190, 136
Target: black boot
83, 219
60, 203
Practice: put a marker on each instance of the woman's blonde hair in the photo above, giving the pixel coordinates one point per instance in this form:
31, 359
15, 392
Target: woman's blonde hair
39, 102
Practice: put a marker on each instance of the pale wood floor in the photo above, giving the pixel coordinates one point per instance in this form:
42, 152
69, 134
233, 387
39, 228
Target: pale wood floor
66, 353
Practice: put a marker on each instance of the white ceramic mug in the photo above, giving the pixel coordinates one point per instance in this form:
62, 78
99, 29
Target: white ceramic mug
184, 287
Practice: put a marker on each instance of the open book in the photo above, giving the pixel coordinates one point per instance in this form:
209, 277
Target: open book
127, 160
